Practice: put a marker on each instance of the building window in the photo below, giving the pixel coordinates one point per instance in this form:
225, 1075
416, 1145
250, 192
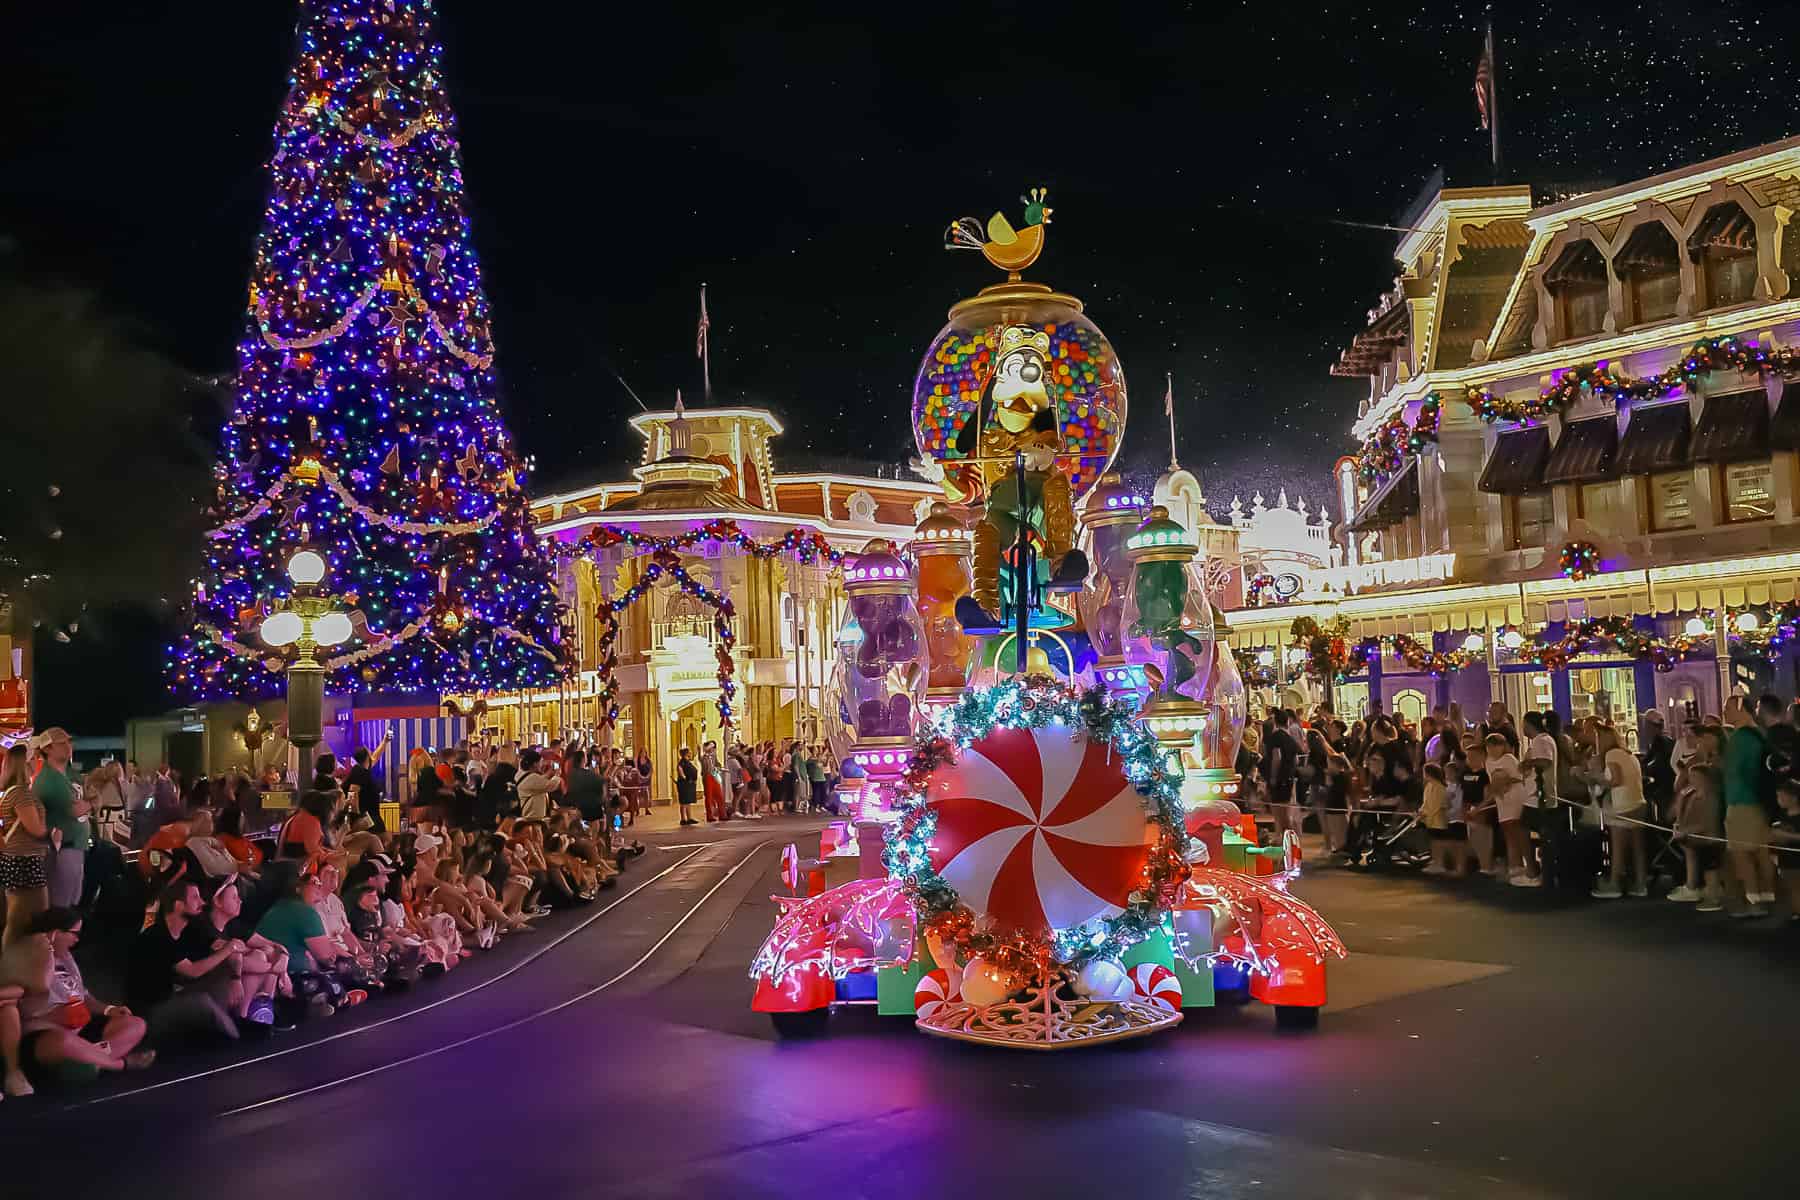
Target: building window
1531, 517
1598, 505
1747, 492
1724, 246
1578, 283
1672, 500
1650, 265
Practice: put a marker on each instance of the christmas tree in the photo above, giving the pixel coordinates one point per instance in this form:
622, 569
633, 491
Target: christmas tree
365, 424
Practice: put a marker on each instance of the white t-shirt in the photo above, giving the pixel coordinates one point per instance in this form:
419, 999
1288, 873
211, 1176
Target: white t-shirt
1510, 794
1627, 796
1542, 746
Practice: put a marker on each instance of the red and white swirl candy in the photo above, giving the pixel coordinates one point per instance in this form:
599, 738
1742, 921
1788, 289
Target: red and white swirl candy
932, 991
1157, 984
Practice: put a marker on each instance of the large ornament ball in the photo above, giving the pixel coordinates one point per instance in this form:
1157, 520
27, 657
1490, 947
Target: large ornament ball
370, 674
985, 983
1102, 979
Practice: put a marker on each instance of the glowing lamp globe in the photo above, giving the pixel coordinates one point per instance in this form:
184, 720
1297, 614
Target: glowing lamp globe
1051, 356
332, 629
306, 568
282, 629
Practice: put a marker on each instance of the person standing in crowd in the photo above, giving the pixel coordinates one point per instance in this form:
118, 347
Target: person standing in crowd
1699, 817
1658, 760
646, 777
712, 782
816, 780
362, 783
1280, 768
1625, 809
586, 791
66, 812
1507, 787
1747, 783
27, 848
687, 782
498, 797
1539, 757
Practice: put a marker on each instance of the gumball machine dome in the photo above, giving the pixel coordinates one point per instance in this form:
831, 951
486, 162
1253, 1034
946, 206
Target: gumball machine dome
1082, 380
1110, 516
886, 674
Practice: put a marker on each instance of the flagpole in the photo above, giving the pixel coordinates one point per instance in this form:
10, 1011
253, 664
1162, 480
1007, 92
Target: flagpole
1493, 102
705, 350
1169, 407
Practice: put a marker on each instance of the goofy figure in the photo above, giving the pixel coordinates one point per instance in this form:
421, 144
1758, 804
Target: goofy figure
1025, 540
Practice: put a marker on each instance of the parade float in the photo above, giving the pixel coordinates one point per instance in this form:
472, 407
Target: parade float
1049, 854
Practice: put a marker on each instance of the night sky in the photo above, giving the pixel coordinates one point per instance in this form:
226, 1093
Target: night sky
1220, 173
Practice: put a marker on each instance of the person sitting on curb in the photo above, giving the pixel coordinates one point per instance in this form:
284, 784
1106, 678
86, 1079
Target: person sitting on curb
171, 976
68, 1031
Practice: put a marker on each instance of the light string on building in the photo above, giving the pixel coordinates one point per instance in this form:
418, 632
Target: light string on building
664, 562
1602, 378
1397, 439
804, 546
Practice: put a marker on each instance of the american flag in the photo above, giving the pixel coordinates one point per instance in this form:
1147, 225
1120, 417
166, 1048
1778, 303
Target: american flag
705, 324
1484, 80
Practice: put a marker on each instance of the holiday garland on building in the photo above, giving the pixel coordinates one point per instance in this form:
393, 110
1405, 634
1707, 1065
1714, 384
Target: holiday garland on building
803, 546
365, 424
1603, 379
665, 562
1397, 439
1327, 648
1578, 560
1415, 654
1254, 672
1034, 703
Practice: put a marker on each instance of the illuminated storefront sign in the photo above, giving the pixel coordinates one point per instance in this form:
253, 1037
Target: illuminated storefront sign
1359, 577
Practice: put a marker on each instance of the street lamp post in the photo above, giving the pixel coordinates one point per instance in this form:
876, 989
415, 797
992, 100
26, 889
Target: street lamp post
310, 620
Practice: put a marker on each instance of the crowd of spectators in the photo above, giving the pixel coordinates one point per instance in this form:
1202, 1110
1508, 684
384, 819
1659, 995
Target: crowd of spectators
219, 937
1714, 806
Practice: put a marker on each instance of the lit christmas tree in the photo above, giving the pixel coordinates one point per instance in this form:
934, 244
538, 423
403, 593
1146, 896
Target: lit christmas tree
365, 425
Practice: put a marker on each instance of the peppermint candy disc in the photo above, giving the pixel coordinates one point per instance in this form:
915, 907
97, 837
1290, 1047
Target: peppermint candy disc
1038, 829
1157, 984
933, 990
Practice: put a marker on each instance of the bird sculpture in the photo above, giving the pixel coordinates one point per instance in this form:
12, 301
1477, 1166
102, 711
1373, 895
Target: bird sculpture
1012, 250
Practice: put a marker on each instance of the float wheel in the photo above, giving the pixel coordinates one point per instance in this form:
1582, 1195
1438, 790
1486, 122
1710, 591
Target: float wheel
1296, 1017
808, 1024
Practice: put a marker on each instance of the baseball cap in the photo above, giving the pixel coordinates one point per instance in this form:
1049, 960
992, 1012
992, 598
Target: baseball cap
426, 842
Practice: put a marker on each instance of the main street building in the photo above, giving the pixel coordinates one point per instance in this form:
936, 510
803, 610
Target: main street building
1556, 489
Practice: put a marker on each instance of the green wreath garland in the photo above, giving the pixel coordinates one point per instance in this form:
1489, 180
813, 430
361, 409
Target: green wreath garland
1033, 703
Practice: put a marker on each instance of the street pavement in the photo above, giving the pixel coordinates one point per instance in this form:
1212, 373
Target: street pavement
1481, 1042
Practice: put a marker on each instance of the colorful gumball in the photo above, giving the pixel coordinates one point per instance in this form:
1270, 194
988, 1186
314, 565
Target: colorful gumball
1157, 984
933, 990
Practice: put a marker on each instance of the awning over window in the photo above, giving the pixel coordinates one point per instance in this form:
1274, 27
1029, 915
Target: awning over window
1733, 428
1584, 453
1516, 464
1393, 501
1655, 440
1725, 227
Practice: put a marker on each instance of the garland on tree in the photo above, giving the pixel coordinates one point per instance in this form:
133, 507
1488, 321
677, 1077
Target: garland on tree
1032, 703
365, 423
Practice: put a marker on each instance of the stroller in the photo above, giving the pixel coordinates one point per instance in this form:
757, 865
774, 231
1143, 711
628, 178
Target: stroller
1383, 837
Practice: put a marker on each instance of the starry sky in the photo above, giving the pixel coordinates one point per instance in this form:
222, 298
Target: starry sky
1225, 178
